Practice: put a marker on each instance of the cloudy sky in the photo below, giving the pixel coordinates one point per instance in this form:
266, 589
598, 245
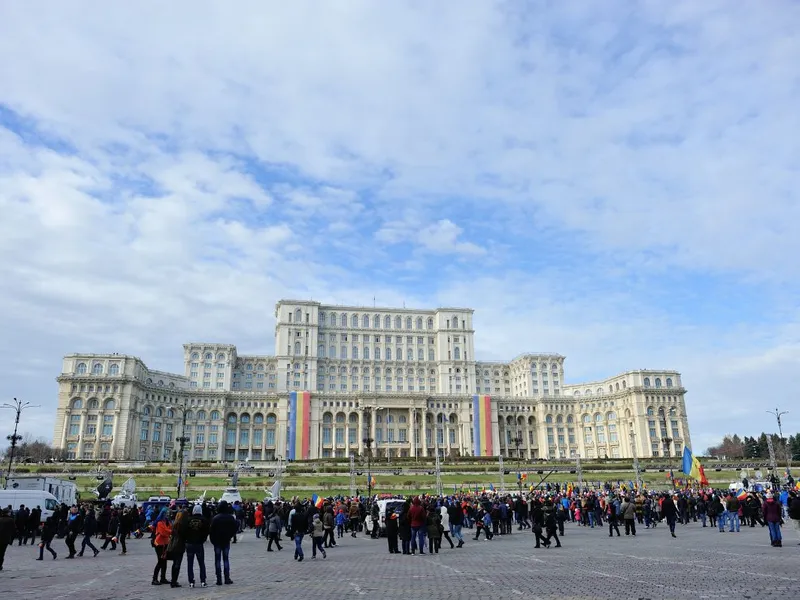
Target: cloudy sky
616, 182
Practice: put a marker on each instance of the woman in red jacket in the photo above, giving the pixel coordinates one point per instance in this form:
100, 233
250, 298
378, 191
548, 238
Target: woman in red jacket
772, 515
163, 533
259, 520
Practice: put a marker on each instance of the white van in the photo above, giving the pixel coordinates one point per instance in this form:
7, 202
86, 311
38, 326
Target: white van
30, 498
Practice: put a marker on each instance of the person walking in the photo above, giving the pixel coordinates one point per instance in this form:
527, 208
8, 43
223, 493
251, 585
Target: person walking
773, 514
317, 535
404, 529
8, 531
273, 531
49, 530
670, 512
221, 531
612, 509
299, 526
89, 529
418, 519
391, 531
446, 528
794, 511
354, 513
74, 527
195, 534
327, 524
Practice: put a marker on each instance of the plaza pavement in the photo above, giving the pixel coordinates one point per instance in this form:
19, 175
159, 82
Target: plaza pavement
700, 563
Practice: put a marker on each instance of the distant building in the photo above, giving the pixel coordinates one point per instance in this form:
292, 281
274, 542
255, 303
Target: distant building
344, 373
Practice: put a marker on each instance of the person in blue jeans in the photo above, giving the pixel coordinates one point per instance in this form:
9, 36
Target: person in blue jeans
418, 517
195, 532
298, 525
221, 531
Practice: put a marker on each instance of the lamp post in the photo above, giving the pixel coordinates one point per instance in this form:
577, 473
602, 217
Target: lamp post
368, 443
778, 414
518, 442
182, 441
17, 406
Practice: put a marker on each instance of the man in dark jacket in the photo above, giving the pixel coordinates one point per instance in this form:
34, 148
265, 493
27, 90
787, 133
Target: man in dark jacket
298, 526
222, 530
74, 527
49, 530
670, 512
794, 511
195, 532
418, 518
89, 529
8, 531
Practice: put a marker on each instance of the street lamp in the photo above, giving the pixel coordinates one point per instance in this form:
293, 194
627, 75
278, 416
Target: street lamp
368, 443
182, 441
17, 406
665, 439
518, 442
778, 415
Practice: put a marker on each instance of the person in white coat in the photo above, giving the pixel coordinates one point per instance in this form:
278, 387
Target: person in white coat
446, 525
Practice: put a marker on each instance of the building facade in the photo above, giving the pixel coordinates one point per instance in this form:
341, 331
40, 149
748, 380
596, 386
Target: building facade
406, 379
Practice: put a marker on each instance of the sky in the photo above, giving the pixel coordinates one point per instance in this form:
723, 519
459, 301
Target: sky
615, 182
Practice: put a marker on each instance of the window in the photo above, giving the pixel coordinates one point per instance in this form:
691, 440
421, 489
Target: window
214, 415
333, 320
344, 319
398, 323
646, 382
332, 352
430, 323
388, 354
296, 348
430, 354
658, 382
114, 370
343, 353
355, 352
354, 321
457, 353
669, 382
81, 369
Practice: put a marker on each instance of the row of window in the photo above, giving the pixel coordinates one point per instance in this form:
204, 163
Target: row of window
90, 428
364, 321
93, 404
208, 356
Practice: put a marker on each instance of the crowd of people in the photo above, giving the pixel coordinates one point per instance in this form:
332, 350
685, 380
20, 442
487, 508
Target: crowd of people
413, 525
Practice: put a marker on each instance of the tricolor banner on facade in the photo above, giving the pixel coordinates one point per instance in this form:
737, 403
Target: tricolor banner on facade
482, 425
299, 426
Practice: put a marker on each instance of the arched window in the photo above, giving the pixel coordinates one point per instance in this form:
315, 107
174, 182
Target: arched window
333, 319
658, 382
559, 419
195, 356
258, 418
673, 412
365, 322
77, 404
159, 412
340, 418
366, 352
587, 419
646, 382
110, 405
420, 354
454, 322
272, 419
388, 354
355, 352
147, 411
81, 369
624, 385
327, 418
354, 321
610, 389
409, 354
298, 316
249, 367
215, 415
430, 354
296, 350
387, 322
430, 323
570, 420
322, 318
332, 352
650, 411
548, 419
93, 404
399, 354
669, 382
260, 367
377, 353
220, 356
398, 323
419, 322
189, 415
408, 322
612, 416
576, 393
201, 415
457, 353
554, 367
170, 413
321, 351
97, 369
209, 356
232, 418
114, 369
616, 385
344, 319
376, 322
598, 417
343, 352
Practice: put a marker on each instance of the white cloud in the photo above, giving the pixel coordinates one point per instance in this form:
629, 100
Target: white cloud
175, 168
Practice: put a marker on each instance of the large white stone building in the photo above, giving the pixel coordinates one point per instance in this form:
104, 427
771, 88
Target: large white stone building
407, 379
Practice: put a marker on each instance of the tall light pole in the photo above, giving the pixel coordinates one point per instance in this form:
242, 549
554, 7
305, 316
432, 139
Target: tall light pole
368, 443
182, 441
518, 442
17, 406
778, 414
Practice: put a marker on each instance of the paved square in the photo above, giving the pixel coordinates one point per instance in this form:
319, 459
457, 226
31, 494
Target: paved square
700, 563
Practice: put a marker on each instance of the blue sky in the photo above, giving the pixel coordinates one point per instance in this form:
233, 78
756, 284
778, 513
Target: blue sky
615, 182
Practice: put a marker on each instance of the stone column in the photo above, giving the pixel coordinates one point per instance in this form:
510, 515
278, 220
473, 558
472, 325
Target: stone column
424, 433
236, 441
412, 429
527, 435
360, 438
82, 436
373, 433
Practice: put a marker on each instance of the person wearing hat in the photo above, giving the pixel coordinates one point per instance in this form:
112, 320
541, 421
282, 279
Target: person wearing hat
195, 533
772, 515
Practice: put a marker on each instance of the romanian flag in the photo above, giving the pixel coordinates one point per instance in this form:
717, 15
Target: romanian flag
741, 494
491, 487
317, 501
299, 447
524, 477
372, 481
691, 466
482, 425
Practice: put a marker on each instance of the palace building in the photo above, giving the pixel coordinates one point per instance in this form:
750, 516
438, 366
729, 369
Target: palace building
408, 380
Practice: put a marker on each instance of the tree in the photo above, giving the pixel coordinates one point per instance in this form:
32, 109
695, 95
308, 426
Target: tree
33, 450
